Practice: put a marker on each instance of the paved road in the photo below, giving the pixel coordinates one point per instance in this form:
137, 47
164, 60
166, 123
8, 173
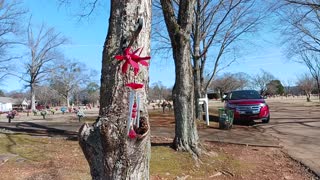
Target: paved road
297, 126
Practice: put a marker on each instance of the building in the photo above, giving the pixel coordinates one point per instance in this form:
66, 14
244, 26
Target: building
8, 104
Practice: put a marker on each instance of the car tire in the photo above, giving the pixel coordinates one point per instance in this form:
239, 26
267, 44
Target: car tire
266, 120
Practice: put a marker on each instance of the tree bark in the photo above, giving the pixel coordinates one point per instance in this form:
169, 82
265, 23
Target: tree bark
108, 150
196, 63
68, 101
33, 97
318, 87
186, 135
197, 90
308, 96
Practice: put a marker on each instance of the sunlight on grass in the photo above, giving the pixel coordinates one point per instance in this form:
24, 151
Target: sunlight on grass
166, 162
66, 157
43, 158
24, 146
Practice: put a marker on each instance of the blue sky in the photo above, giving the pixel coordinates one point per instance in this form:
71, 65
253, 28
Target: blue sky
87, 38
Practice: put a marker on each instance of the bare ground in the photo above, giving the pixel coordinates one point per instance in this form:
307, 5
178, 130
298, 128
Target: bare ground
39, 157
56, 158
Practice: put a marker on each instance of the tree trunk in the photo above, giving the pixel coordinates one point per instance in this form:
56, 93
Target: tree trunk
68, 101
202, 66
196, 59
308, 95
33, 97
186, 135
197, 89
318, 88
109, 151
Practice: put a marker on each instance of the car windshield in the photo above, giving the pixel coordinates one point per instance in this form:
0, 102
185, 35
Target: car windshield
244, 95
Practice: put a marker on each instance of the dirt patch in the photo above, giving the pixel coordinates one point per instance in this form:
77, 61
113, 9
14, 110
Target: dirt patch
163, 119
224, 161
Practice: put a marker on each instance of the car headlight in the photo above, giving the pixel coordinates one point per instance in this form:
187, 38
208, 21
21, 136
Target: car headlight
262, 104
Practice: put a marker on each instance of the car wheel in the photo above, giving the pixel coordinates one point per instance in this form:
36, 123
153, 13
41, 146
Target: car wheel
266, 120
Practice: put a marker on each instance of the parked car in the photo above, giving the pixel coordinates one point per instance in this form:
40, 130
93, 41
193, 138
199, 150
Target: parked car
247, 105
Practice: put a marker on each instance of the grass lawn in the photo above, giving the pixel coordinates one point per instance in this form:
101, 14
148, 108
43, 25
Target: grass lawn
30, 157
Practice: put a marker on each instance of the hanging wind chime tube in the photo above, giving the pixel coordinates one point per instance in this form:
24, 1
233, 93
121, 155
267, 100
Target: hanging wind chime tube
131, 100
138, 111
134, 112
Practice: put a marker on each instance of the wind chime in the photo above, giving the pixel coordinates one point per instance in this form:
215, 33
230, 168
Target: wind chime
133, 59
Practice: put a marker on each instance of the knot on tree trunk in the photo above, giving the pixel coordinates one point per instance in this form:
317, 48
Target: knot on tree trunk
110, 152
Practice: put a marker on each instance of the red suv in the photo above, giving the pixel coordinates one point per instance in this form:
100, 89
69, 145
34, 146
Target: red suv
247, 105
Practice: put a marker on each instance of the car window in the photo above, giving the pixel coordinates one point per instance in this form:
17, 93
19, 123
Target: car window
244, 95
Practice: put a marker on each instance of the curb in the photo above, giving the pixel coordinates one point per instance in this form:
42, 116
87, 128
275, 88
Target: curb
245, 144
298, 160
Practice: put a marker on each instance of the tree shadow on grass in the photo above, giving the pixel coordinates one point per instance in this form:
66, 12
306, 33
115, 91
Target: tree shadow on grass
168, 144
35, 129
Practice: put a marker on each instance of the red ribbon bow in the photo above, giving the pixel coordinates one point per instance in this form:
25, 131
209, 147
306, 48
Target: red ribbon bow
132, 59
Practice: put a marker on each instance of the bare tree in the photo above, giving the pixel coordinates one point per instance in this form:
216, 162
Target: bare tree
161, 44
47, 96
306, 84
260, 81
302, 28
108, 149
312, 61
42, 46
229, 82
158, 89
10, 16
243, 80
302, 33
67, 77
219, 27
17, 94
310, 4
93, 90
288, 87
217, 32
179, 29
84, 8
